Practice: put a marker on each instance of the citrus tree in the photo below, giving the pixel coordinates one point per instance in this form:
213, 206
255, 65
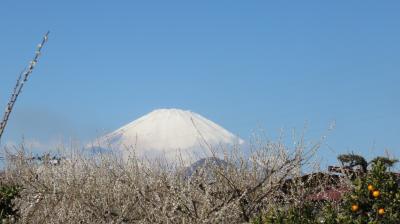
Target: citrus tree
375, 197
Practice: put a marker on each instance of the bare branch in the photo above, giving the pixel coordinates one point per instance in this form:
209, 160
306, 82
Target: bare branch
22, 79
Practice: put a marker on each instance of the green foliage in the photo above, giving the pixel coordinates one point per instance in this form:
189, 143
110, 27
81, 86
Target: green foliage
328, 214
385, 161
352, 160
7, 194
376, 197
303, 213
373, 199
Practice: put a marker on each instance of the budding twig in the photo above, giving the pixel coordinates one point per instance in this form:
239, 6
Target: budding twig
22, 78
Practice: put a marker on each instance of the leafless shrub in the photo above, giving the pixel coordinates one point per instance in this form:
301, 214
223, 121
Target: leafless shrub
107, 189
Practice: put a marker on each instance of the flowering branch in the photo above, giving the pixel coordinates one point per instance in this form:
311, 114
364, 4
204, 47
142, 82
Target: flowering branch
22, 78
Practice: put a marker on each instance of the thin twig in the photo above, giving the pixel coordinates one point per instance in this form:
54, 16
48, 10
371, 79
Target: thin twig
22, 78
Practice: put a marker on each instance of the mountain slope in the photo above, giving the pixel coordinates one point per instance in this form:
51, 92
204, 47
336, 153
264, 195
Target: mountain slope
169, 133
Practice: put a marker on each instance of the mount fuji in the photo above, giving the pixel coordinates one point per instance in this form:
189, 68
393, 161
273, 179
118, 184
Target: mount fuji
169, 134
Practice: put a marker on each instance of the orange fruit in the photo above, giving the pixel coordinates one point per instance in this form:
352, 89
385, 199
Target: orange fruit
381, 211
354, 208
376, 193
371, 187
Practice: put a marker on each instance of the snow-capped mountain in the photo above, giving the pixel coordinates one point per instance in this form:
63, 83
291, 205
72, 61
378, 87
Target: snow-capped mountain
169, 133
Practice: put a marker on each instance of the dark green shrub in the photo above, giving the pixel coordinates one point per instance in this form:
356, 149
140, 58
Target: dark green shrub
7, 193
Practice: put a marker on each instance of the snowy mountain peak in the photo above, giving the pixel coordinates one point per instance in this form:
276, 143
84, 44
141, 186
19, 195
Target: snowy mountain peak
169, 133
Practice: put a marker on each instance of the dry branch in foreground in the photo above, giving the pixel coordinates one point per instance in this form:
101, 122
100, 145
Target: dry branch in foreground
22, 79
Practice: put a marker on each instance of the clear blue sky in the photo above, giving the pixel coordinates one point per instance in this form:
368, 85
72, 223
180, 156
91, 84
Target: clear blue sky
243, 64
